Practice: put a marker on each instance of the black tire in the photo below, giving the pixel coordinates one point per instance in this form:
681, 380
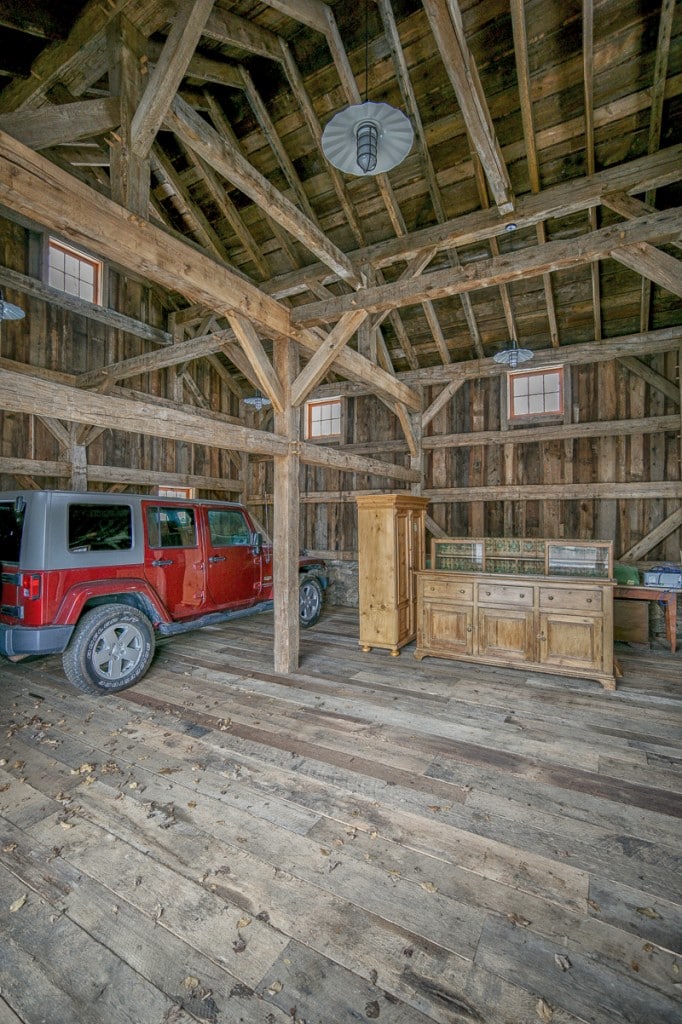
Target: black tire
111, 649
309, 601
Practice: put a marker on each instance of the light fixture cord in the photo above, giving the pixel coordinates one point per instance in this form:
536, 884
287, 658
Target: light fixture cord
366, 50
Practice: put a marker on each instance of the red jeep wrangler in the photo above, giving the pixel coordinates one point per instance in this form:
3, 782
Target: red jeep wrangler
97, 576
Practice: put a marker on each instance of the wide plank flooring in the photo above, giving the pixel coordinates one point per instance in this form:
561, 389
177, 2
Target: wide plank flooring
372, 838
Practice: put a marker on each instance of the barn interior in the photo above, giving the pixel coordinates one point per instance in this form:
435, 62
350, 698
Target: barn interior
276, 826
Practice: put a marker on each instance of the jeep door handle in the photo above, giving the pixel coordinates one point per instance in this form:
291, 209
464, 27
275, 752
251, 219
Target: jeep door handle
216, 558
162, 561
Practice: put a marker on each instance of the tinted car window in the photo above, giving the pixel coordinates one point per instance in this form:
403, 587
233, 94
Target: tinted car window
228, 527
171, 527
100, 527
11, 524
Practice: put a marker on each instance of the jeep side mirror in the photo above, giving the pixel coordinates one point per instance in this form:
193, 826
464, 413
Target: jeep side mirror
257, 543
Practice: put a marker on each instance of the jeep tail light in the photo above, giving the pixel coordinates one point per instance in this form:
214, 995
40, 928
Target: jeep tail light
31, 583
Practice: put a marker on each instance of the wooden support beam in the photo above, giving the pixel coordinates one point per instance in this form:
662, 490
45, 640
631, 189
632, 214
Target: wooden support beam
24, 392
441, 400
559, 201
654, 379
163, 83
446, 24
632, 491
554, 432
207, 144
124, 475
287, 515
654, 537
321, 361
262, 367
129, 172
36, 188
656, 228
101, 314
54, 125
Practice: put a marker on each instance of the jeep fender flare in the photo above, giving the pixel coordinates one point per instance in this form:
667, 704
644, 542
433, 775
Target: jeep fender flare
133, 592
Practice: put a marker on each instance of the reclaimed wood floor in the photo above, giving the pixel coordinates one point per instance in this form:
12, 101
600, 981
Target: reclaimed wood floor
372, 838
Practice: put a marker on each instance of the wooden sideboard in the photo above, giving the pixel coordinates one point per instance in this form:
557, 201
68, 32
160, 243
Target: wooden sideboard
536, 623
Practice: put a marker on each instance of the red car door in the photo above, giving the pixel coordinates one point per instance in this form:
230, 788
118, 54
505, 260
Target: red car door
174, 564
233, 567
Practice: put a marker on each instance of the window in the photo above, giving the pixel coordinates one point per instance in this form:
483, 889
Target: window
73, 272
11, 527
534, 394
323, 419
100, 527
171, 527
228, 528
175, 492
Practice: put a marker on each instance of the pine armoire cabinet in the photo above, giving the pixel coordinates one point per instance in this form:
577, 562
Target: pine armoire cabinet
391, 532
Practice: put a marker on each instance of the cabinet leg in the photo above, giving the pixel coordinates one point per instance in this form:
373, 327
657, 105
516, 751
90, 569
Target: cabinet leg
395, 653
365, 648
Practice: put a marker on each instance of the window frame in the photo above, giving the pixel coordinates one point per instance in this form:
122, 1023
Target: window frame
315, 403
561, 415
83, 258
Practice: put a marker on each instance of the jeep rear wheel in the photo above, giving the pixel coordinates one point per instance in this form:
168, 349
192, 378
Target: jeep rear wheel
111, 649
309, 601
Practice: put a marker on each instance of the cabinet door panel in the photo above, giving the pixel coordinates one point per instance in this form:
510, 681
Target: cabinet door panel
571, 641
505, 633
448, 628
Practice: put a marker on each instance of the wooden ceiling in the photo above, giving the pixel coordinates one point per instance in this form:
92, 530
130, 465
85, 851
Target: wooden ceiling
540, 200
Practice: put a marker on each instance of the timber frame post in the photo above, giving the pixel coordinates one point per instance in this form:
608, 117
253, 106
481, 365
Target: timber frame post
286, 515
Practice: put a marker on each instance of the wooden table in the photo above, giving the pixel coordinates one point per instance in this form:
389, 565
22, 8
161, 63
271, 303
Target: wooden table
667, 598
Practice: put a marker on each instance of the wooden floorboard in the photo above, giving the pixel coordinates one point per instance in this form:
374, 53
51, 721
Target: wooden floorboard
370, 838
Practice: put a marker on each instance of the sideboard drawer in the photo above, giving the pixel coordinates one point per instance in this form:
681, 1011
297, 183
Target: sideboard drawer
506, 593
450, 590
587, 599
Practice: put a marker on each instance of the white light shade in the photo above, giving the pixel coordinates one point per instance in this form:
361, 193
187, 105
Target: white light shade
513, 356
8, 311
394, 137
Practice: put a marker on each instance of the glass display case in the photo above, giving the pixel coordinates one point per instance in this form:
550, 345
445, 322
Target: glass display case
457, 555
580, 558
524, 556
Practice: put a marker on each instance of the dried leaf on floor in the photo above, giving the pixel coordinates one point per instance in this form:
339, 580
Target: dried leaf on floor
544, 1010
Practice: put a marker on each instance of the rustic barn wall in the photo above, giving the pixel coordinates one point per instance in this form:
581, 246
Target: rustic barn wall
59, 340
63, 342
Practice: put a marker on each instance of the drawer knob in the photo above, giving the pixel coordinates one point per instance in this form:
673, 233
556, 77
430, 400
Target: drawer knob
522, 595
487, 593
462, 590
551, 597
589, 600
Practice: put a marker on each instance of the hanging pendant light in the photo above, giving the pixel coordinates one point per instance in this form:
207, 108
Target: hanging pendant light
367, 138
258, 401
8, 311
513, 355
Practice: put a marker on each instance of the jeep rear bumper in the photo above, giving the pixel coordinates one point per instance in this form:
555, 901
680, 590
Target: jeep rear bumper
20, 641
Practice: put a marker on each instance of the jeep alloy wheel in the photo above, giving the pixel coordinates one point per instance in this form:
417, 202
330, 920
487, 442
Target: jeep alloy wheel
111, 649
309, 601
